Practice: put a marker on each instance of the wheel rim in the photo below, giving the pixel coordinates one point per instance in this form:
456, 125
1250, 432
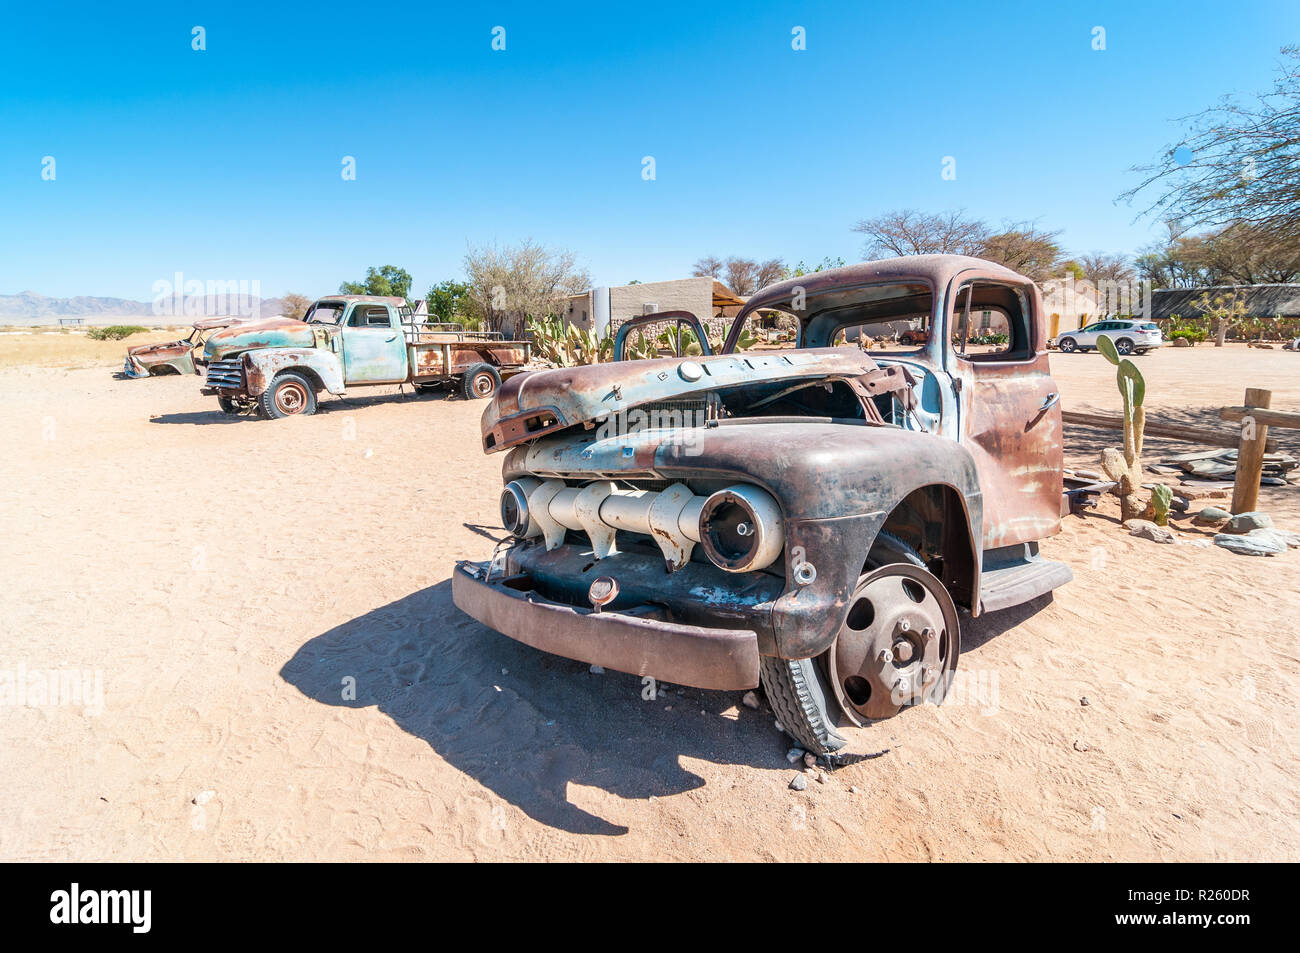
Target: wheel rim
290, 398
1067, 345
898, 645
1124, 347
483, 385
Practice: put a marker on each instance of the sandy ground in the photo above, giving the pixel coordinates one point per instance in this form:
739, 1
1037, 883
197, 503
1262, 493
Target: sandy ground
226, 579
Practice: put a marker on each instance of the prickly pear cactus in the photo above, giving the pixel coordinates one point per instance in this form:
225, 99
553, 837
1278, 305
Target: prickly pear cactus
1161, 497
1133, 389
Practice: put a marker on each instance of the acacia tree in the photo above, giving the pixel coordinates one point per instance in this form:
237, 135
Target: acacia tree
909, 232
1024, 249
449, 300
1237, 164
294, 305
510, 284
708, 267
769, 272
742, 274
1097, 267
386, 281
1236, 254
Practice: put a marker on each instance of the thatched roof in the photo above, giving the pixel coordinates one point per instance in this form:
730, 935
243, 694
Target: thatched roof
1262, 301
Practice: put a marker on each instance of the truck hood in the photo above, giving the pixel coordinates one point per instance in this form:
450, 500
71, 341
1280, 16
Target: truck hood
532, 405
274, 332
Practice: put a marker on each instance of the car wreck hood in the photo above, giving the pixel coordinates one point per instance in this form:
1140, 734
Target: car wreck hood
274, 332
532, 405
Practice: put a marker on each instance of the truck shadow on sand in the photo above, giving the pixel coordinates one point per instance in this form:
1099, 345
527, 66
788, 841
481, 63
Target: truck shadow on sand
331, 405
523, 723
526, 724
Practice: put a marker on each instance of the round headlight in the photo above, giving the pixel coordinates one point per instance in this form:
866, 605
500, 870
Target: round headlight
741, 528
514, 508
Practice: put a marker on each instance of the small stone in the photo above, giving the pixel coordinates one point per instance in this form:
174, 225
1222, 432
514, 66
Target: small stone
1288, 537
794, 755
853, 789
779, 727
1080, 745
1179, 503
668, 707
1145, 529
810, 759
1255, 543
1245, 522
821, 777
1084, 701
1182, 342
1211, 516
750, 700
505, 671
596, 670
798, 783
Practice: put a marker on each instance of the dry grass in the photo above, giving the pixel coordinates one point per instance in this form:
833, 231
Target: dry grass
42, 347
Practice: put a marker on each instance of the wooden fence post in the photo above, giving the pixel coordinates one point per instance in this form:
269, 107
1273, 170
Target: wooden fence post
1250, 453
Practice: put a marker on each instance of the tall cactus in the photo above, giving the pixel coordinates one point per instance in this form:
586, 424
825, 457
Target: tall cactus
1126, 469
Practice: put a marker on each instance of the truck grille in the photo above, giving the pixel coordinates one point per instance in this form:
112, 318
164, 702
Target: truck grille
226, 374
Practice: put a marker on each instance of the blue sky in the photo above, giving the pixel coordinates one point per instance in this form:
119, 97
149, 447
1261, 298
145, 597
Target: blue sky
225, 164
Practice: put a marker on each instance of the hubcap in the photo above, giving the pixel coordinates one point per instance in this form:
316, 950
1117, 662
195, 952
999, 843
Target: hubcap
484, 385
291, 398
897, 646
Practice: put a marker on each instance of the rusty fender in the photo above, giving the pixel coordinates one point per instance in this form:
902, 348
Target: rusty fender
261, 366
837, 484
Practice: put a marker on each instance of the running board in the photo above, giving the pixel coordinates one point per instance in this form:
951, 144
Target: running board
1016, 574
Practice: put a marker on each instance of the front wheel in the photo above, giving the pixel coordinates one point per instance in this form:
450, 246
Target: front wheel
480, 381
290, 395
1067, 345
1124, 346
898, 647
228, 406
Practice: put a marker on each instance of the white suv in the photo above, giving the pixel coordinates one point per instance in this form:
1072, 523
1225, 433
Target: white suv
1129, 337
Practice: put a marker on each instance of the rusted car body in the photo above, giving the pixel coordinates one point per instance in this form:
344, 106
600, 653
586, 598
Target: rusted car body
175, 357
815, 519
279, 367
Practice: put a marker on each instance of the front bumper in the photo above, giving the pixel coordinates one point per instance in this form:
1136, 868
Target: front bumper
633, 642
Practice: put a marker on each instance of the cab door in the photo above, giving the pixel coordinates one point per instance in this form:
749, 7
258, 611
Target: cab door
374, 348
1009, 406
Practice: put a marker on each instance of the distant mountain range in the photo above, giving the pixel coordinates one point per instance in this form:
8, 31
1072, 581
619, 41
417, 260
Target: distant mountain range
28, 307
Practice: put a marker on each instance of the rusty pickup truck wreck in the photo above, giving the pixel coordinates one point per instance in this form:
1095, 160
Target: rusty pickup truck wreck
280, 366
815, 519
174, 357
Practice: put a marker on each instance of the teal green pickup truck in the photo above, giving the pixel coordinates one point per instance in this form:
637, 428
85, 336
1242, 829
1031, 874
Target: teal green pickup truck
279, 367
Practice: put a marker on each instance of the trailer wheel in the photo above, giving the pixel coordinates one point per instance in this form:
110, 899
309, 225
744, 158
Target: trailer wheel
480, 381
876, 666
289, 395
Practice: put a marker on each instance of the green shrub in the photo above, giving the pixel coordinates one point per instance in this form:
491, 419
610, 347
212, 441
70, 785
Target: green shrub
114, 332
